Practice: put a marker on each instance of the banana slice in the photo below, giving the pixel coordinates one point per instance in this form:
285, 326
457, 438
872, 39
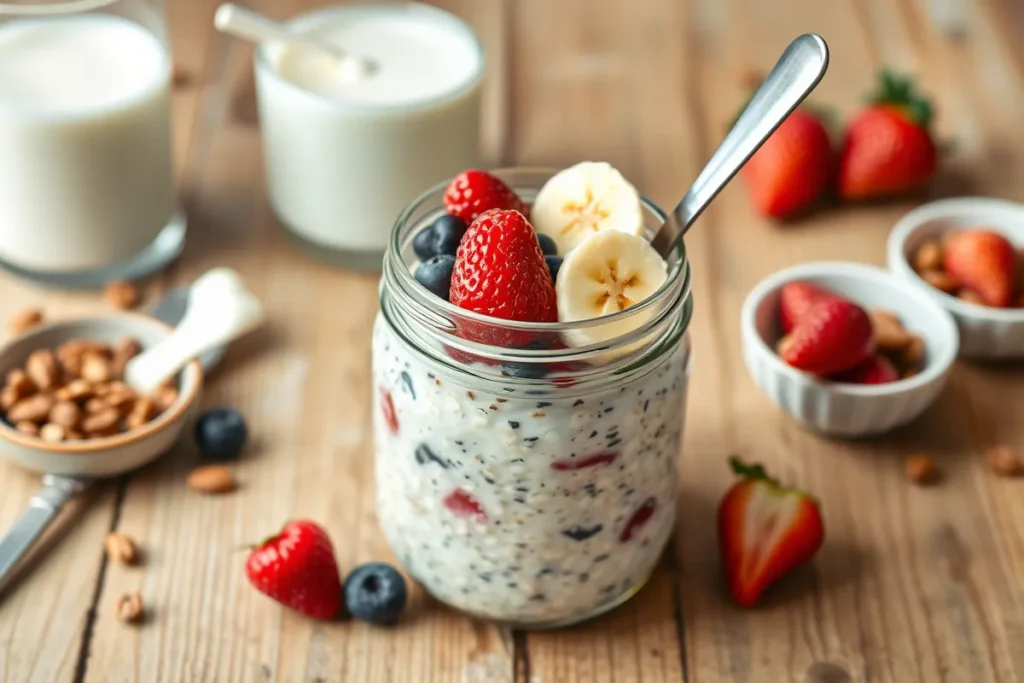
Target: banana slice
584, 199
609, 271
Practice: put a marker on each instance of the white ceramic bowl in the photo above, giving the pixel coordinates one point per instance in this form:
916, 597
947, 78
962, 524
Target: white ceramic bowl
985, 332
841, 409
106, 456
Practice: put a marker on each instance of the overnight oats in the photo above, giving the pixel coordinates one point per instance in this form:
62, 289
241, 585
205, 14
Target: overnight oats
530, 362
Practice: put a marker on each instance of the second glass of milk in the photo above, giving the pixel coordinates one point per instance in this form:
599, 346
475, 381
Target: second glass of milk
345, 155
86, 185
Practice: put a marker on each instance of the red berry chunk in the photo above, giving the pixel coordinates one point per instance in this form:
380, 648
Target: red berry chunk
473, 192
463, 504
595, 460
642, 515
387, 409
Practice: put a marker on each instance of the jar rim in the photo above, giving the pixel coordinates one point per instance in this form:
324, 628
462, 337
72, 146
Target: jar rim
678, 268
53, 8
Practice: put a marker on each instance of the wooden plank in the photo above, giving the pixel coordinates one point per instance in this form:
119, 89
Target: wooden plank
303, 384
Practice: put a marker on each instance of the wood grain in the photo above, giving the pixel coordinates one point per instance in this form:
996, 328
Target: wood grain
914, 584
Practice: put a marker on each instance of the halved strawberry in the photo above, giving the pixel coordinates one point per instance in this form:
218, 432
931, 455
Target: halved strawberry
983, 261
764, 531
875, 370
795, 299
473, 192
834, 335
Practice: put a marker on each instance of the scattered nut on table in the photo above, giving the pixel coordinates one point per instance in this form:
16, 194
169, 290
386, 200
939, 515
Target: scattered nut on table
24, 320
76, 391
1004, 461
129, 608
212, 479
121, 294
120, 548
921, 469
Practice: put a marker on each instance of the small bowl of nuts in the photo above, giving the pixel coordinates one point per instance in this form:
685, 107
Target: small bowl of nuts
965, 254
65, 409
847, 349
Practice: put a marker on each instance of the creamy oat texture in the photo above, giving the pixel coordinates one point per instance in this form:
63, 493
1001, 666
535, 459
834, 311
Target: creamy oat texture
530, 510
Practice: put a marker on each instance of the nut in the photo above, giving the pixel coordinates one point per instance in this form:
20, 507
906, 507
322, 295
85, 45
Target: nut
76, 390
66, 414
179, 77
970, 296
120, 548
921, 469
51, 433
41, 367
32, 409
121, 294
913, 353
19, 383
129, 608
95, 368
27, 428
95, 405
940, 280
24, 320
141, 413
928, 257
8, 397
212, 479
1004, 461
783, 344
100, 422
124, 350
889, 332
165, 397
119, 395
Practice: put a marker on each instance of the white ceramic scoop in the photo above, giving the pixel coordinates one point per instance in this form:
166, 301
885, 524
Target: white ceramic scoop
220, 309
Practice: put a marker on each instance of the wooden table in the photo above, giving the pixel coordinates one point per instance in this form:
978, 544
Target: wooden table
914, 584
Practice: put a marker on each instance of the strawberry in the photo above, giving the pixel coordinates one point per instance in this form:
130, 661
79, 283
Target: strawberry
984, 262
764, 532
795, 299
472, 192
500, 272
792, 169
834, 335
888, 148
875, 370
297, 568
387, 410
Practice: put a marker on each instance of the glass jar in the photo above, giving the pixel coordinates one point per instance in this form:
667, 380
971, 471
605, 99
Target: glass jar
532, 482
86, 180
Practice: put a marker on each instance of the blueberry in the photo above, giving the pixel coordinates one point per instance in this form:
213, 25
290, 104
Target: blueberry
423, 243
448, 232
375, 593
436, 274
554, 263
221, 433
547, 245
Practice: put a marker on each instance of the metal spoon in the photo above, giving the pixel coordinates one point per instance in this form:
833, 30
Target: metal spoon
798, 71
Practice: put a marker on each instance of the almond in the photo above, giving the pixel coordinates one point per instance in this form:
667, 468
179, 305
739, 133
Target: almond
120, 548
928, 257
32, 409
129, 608
142, 412
921, 469
970, 296
41, 367
889, 332
124, 350
52, 433
66, 414
165, 397
95, 405
913, 353
24, 320
101, 422
1004, 461
76, 390
940, 280
27, 428
19, 383
212, 479
95, 368
121, 294
8, 397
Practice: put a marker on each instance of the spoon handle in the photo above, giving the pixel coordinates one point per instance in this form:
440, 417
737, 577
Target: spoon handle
245, 23
798, 71
43, 507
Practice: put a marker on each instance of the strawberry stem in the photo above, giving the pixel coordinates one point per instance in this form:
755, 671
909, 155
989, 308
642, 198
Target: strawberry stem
755, 471
899, 90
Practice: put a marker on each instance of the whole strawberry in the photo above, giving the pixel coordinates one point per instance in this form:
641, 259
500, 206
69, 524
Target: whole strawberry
983, 261
795, 299
875, 370
297, 568
832, 336
792, 169
888, 149
500, 270
472, 192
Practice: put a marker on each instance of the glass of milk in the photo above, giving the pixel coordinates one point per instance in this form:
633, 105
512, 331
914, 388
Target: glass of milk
345, 154
86, 186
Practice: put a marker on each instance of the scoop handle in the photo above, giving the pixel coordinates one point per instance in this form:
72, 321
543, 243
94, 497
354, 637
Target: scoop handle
43, 507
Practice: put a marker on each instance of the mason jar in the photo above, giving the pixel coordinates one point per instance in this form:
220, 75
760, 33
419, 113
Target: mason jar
530, 478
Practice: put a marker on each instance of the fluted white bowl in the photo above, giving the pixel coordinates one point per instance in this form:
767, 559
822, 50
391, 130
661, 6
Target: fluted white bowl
836, 408
985, 332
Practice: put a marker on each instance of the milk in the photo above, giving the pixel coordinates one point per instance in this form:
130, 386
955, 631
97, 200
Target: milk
343, 155
85, 155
